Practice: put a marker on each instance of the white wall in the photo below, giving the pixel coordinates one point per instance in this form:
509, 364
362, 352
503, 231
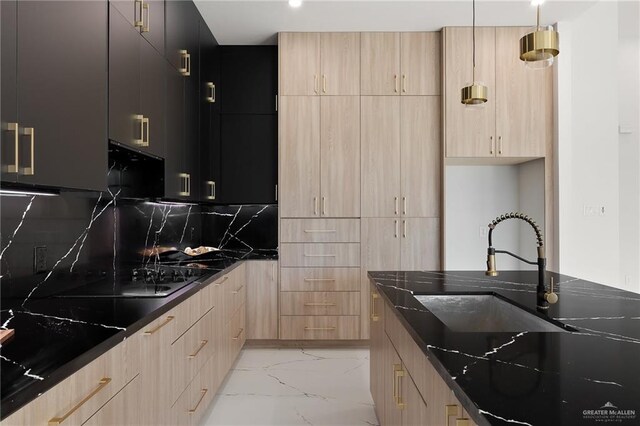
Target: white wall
629, 143
588, 154
475, 195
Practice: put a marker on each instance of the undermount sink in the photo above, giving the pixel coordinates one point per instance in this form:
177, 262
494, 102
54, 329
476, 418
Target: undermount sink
484, 313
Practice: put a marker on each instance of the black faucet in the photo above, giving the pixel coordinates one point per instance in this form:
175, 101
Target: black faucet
543, 298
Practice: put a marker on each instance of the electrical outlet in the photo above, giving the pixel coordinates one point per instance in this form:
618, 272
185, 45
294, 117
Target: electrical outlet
39, 259
483, 231
601, 211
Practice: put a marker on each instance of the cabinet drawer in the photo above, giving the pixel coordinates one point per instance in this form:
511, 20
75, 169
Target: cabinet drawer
320, 303
235, 292
237, 334
320, 279
193, 402
323, 255
319, 327
122, 409
189, 353
320, 230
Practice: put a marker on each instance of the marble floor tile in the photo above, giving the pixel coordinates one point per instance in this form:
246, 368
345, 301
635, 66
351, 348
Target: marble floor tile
290, 387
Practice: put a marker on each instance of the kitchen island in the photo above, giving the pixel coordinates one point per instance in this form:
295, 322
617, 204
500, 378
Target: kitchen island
585, 373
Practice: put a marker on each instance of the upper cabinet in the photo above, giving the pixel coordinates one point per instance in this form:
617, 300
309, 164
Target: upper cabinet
147, 17
54, 93
400, 63
181, 36
319, 63
517, 119
209, 115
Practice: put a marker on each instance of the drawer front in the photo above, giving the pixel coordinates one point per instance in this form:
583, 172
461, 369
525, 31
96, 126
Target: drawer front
237, 333
319, 327
189, 353
320, 303
320, 255
194, 401
320, 279
235, 292
320, 230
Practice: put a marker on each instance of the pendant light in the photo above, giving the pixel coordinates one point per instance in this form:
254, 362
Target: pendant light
475, 93
539, 47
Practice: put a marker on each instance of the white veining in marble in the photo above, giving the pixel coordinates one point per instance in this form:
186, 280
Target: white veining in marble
15, 231
291, 387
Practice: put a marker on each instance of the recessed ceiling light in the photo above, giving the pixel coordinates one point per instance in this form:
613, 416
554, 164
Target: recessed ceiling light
295, 3
536, 2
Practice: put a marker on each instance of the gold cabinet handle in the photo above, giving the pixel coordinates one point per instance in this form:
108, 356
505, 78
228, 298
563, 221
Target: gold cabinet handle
404, 229
398, 374
319, 304
203, 392
238, 289
239, 334
185, 184
324, 83
13, 127
395, 234
499, 145
185, 59
463, 421
139, 6
147, 140
202, 345
319, 329
315, 84
311, 280
395, 209
449, 410
31, 170
101, 385
491, 145
404, 83
320, 255
212, 93
319, 231
324, 206
145, 22
159, 326
140, 118
315, 206
404, 205
212, 190
374, 316
395, 83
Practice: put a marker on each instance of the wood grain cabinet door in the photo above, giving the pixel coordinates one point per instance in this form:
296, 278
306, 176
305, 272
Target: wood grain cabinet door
340, 156
299, 133
299, 64
469, 131
262, 299
8, 101
340, 63
420, 169
380, 63
420, 63
524, 100
380, 143
420, 244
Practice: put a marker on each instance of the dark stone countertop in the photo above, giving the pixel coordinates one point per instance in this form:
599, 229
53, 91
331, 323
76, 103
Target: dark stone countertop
530, 378
55, 337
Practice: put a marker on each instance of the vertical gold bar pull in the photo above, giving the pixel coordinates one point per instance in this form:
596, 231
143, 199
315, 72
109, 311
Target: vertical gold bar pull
499, 145
141, 141
404, 229
147, 140
13, 168
138, 7
404, 83
395, 83
324, 83
315, 206
31, 170
101, 385
185, 63
212, 190
398, 375
324, 206
491, 145
315, 84
145, 22
395, 234
374, 316
212, 93
184, 188
404, 205
395, 209
203, 392
449, 410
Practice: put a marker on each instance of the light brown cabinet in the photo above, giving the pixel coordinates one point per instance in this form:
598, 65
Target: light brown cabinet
517, 119
319, 64
320, 156
401, 163
400, 63
262, 299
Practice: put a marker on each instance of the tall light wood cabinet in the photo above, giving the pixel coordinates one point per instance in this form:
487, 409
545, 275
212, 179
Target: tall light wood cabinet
524, 100
299, 151
319, 64
469, 131
517, 119
380, 63
262, 299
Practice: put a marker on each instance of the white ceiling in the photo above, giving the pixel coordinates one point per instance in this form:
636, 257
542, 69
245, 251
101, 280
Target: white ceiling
258, 22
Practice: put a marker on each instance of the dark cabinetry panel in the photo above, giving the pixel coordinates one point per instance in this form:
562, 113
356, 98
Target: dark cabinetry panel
61, 97
249, 79
152, 96
9, 100
174, 181
249, 158
146, 16
181, 19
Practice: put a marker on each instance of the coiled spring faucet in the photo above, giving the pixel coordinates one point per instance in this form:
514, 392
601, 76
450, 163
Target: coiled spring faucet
543, 297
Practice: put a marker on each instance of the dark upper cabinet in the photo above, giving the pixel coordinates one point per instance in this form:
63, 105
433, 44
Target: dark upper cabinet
175, 179
181, 35
59, 73
209, 116
249, 158
249, 79
8, 89
136, 89
147, 17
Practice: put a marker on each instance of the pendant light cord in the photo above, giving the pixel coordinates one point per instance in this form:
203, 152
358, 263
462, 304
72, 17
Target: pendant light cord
474, 42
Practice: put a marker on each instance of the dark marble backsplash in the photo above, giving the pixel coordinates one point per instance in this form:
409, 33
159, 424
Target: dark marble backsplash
88, 235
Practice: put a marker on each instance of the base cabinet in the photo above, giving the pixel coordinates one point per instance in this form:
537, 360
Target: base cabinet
405, 387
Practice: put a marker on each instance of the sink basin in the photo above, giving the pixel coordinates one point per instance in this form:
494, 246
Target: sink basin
484, 313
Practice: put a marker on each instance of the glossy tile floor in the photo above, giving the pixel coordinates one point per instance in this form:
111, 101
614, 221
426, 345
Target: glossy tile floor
289, 387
